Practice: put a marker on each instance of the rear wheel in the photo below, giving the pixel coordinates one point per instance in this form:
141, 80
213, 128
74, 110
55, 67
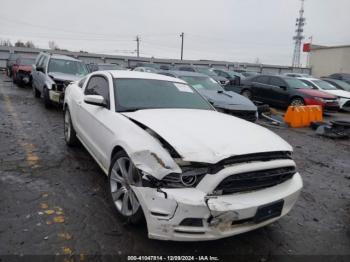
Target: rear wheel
297, 101
122, 175
247, 93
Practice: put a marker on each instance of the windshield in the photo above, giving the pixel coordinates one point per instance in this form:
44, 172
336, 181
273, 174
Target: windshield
202, 82
134, 94
108, 67
248, 74
324, 85
27, 61
342, 84
296, 83
206, 71
67, 67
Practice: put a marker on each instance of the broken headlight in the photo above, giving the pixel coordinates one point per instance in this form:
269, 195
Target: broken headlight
190, 177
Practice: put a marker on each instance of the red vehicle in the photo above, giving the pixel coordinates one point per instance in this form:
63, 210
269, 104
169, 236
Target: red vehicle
22, 69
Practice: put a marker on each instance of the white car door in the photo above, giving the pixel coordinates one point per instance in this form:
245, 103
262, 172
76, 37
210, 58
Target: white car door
95, 121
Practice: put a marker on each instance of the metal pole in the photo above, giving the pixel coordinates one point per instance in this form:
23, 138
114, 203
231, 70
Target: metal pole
138, 46
182, 44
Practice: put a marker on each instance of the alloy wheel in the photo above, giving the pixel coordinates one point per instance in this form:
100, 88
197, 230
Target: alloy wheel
124, 174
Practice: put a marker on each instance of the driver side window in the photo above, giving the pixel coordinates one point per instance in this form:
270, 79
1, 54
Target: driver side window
98, 85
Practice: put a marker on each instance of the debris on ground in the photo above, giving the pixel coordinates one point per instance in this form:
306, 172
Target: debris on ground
332, 129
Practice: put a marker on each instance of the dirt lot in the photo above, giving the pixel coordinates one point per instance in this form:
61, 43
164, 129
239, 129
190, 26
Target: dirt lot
40, 175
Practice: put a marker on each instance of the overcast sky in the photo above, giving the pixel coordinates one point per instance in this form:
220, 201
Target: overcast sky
231, 30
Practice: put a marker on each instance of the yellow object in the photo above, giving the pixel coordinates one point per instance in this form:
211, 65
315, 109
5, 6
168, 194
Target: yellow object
302, 116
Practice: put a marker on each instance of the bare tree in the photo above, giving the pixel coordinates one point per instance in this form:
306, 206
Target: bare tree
5, 42
53, 45
29, 44
257, 60
19, 43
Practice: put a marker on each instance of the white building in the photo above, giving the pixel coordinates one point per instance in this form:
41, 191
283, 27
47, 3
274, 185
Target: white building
326, 60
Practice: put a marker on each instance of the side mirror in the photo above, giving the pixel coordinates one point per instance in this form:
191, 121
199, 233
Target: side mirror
95, 100
40, 69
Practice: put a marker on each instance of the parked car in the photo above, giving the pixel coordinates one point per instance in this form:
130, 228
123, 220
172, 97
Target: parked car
341, 76
297, 75
338, 84
146, 69
22, 69
203, 70
153, 65
100, 67
283, 91
52, 73
233, 77
344, 96
192, 172
224, 101
250, 73
9, 63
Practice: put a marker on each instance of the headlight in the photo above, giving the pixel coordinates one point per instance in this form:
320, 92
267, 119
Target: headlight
320, 99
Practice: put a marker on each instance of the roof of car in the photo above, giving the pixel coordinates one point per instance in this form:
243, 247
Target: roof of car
185, 73
308, 78
63, 57
141, 75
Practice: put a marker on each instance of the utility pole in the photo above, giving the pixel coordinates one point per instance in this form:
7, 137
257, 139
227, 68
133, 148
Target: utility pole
300, 22
138, 46
182, 44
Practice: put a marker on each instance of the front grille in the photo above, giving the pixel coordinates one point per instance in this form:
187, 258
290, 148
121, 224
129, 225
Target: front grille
61, 85
254, 180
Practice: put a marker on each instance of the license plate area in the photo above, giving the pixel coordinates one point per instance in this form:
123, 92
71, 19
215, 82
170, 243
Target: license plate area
269, 211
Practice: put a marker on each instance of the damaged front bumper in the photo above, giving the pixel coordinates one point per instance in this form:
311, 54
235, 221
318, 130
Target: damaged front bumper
192, 214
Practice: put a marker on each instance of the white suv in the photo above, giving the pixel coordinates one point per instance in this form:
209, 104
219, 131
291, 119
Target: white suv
52, 73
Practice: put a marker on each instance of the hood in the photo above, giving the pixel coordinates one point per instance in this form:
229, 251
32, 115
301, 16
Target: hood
27, 68
228, 100
341, 93
65, 77
315, 93
208, 136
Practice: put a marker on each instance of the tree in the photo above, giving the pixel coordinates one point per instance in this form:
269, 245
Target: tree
19, 43
257, 60
29, 44
5, 42
53, 45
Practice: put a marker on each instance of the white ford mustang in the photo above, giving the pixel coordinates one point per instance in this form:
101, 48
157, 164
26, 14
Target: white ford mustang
193, 173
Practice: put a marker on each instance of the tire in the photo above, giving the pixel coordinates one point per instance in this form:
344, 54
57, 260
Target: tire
121, 195
36, 92
247, 93
297, 101
47, 101
70, 135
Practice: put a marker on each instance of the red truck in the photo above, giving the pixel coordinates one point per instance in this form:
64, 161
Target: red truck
21, 70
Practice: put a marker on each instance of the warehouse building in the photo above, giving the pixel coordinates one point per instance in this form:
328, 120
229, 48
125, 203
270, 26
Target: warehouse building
326, 60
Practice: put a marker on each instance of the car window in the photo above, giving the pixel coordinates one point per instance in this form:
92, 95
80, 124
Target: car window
308, 83
340, 83
324, 85
81, 82
71, 67
275, 81
261, 79
134, 94
98, 85
38, 62
43, 63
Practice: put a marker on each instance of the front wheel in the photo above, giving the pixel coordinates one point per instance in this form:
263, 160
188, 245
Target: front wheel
122, 175
69, 133
47, 101
297, 101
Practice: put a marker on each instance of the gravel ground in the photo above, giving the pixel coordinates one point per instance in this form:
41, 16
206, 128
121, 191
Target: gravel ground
53, 200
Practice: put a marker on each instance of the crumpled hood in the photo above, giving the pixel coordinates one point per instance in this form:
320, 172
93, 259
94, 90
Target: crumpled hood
316, 93
341, 93
228, 100
208, 136
65, 77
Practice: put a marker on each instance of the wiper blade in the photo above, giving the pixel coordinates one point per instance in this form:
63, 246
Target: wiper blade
223, 92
